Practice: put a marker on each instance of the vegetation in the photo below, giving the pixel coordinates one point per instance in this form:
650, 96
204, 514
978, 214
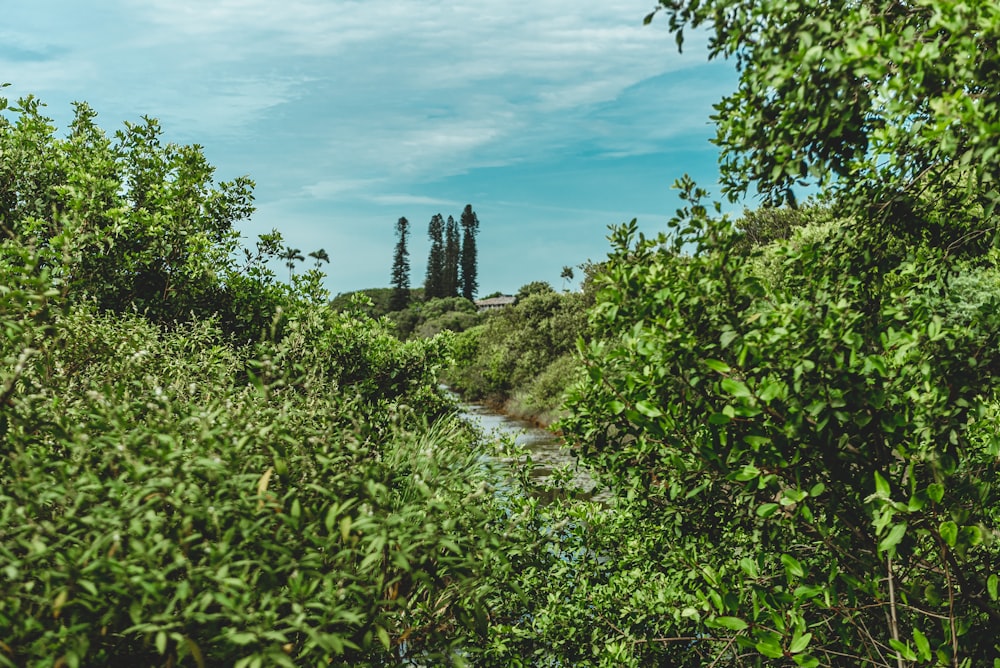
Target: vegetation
434, 283
202, 465
400, 268
795, 412
452, 263
522, 358
801, 436
468, 262
452, 250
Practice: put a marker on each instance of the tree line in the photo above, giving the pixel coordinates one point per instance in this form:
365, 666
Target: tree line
452, 269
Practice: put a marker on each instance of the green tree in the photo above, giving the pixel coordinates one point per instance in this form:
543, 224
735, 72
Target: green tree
452, 251
400, 268
891, 106
469, 263
805, 457
434, 282
567, 275
129, 222
171, 494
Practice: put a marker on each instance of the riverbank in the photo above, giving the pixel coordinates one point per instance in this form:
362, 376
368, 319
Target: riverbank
519, 407
549, 454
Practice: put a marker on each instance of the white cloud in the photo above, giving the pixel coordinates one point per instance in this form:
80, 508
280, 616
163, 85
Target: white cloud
413, 89
370, 104
404, 199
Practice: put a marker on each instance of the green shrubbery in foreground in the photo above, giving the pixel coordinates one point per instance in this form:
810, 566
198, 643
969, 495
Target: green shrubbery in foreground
202, 466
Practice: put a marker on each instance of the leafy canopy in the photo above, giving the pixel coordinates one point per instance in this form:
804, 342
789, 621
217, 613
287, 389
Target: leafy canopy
891, 104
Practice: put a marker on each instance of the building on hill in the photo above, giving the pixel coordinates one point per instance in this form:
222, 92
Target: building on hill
494, 303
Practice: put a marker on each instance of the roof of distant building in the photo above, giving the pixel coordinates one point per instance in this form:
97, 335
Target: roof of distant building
495, 302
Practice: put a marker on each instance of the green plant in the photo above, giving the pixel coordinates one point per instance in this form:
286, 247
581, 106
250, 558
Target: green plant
819, 452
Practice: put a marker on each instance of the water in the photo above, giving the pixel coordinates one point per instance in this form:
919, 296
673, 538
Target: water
547, 451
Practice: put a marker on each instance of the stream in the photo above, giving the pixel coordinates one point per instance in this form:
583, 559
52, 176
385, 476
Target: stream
546, 449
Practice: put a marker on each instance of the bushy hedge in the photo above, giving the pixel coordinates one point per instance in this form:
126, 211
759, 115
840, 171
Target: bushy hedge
219, 469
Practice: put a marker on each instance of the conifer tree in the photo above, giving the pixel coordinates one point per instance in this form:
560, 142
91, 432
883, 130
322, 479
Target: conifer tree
468, 263
452, 251
434, 283
400, 269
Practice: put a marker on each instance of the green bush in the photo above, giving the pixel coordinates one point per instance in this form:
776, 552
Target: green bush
200, 465
510, 354
813, 455
153, 508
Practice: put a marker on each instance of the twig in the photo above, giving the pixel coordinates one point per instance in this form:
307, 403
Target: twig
951, 608
893, 623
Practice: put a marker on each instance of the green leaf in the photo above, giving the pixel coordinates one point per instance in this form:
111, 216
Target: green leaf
735, 387
991, 586
771, 389
383, 637
727, 337
949, 532
799, 643
719, 418
792, 566
161, 642
648, 409
971, 535
935, 491
770, 646
749, 567
890, 542
731, 623
345, 527
717, 365
767, 509
904, 649
923, 645
882, 488
331, 518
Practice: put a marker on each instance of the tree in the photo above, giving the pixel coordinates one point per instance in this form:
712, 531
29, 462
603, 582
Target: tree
452, 251
891, 106
434, 283
400, 268
806, 458
133, 222
469, 268
567, 275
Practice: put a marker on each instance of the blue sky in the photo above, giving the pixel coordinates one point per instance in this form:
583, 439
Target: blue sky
553, 118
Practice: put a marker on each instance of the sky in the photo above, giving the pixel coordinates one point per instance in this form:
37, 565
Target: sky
553, 118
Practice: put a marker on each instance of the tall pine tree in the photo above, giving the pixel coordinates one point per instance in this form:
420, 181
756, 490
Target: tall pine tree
434, 283
452, 250
468, 262
400, 297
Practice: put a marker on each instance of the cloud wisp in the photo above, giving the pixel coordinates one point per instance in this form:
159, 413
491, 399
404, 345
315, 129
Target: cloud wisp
345, 104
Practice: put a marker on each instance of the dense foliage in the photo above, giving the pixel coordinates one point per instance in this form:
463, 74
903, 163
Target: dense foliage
200, 465
523, 357
797, 413
821, 458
